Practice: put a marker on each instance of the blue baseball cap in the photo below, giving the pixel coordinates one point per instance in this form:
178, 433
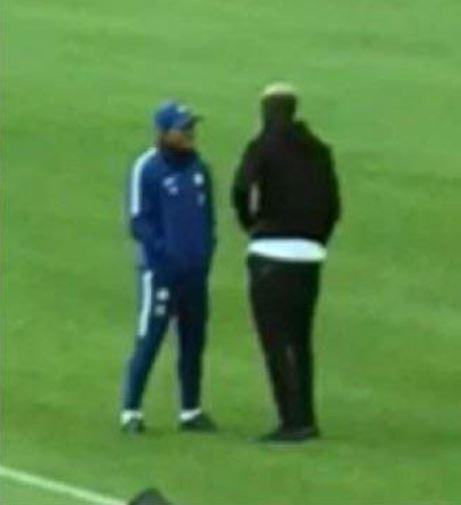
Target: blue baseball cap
174, 116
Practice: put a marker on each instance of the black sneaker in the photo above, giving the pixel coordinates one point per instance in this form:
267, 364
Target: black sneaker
291, 435
200, 424
134, 426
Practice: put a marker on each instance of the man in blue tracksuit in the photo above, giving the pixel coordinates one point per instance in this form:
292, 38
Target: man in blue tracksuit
172, 223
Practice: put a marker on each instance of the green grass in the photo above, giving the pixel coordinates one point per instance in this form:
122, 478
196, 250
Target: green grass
381, 81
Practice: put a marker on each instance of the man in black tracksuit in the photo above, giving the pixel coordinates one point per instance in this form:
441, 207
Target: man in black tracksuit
286, 197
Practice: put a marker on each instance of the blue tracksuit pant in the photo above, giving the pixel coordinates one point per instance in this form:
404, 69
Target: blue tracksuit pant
185, 298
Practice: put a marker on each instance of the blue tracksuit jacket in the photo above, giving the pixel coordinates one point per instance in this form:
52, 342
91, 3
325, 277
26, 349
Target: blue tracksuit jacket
171, 212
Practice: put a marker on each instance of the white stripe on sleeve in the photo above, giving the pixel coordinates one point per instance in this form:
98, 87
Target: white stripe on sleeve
136, 181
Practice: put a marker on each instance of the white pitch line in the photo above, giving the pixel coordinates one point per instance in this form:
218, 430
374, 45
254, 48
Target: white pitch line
57, 487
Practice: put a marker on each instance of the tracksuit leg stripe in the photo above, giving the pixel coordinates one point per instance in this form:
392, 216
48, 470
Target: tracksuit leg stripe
146, 304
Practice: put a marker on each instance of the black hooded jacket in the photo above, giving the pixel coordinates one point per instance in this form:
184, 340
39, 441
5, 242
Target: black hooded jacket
286, 186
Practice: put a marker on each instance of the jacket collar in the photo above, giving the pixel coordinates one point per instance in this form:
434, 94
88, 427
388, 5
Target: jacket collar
177, 159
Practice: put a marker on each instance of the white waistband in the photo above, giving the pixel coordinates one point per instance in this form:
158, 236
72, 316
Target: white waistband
288, 249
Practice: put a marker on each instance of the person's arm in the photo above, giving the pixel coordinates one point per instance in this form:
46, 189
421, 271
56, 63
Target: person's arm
334, 193
141, 207
244, 185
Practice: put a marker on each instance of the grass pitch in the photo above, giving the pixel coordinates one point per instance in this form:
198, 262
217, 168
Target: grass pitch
380, 80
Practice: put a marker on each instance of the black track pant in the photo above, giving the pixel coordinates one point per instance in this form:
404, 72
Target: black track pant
283, 298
